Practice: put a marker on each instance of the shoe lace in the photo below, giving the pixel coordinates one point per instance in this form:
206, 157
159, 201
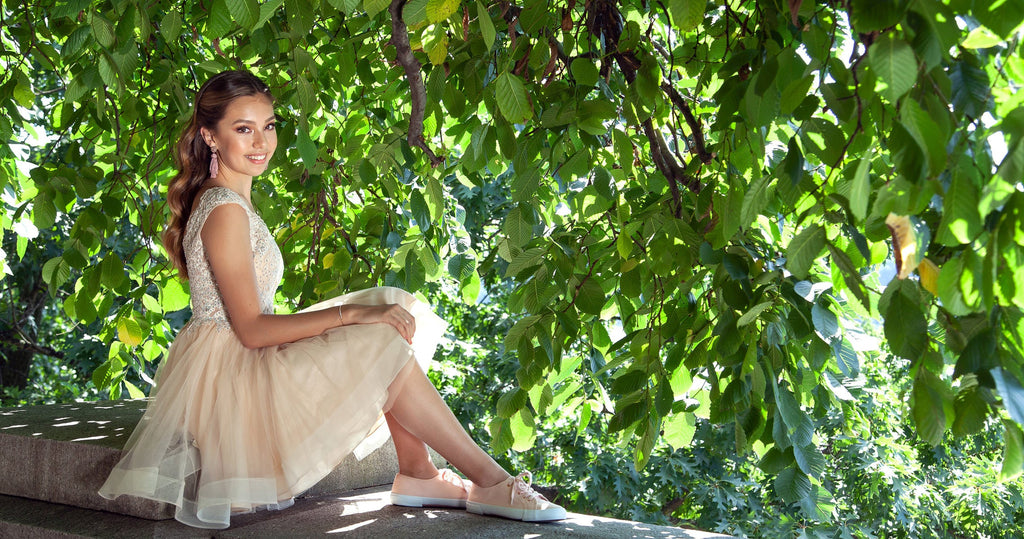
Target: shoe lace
451, 477
521, 487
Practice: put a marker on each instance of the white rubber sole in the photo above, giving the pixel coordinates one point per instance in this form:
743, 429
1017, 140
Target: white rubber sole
512, 513
406, 500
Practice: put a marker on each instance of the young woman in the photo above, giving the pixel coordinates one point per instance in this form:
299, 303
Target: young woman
252, 408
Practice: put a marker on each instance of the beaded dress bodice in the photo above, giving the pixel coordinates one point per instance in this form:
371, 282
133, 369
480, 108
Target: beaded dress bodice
207, 305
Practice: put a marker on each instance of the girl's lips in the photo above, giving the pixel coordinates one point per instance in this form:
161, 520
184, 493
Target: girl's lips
259, 158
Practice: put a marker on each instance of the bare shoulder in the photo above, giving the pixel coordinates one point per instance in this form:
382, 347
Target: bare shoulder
226, 223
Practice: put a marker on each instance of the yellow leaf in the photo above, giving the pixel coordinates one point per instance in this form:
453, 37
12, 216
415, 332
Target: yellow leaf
129, 332
904, 244
328, 260
929, 273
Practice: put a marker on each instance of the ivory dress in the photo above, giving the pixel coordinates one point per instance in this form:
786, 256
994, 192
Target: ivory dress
232, 429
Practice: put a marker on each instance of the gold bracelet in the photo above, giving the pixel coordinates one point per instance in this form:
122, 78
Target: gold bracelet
341, 317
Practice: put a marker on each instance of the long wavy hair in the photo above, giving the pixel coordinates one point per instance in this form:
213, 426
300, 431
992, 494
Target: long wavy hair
192, 154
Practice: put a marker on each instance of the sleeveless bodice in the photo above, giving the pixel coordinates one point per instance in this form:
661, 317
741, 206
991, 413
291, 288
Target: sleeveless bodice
207, 305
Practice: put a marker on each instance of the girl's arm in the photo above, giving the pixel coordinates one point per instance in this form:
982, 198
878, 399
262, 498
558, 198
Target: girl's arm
226, 237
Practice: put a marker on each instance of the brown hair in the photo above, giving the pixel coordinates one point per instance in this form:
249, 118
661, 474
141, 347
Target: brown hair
192, 154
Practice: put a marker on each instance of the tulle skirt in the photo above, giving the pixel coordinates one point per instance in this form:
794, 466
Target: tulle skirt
232, 429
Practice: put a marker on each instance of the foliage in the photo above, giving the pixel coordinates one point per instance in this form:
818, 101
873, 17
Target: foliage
691, 198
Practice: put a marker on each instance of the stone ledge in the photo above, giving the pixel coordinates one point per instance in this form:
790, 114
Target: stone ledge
62, 453
363, 513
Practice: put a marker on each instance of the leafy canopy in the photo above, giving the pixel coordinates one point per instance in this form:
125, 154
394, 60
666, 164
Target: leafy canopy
690, 198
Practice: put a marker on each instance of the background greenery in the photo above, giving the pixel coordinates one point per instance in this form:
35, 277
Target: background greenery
659, 229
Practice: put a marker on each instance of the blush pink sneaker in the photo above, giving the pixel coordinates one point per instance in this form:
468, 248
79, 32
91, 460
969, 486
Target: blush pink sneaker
513, 498
444, 490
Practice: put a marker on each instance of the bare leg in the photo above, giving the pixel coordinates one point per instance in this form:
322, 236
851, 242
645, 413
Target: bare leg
413, 459
423, 414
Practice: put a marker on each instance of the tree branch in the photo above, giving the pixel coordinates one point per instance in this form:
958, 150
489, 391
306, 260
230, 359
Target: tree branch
695, 127
32, 347
418, 94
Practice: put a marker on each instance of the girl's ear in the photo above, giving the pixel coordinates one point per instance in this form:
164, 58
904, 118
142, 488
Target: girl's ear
207, 136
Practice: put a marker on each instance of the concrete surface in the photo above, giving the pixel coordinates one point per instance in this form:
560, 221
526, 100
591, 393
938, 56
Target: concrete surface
362, 513
62, 453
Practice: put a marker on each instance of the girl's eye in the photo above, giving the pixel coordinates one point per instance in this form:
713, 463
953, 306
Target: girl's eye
270, 127
242, 130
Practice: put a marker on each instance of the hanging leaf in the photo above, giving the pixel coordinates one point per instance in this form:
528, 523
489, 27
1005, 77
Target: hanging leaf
905, 328
1013, 452
486, 25
792, 485
894, 62
687, 14
804, 249
512, 99
932, 406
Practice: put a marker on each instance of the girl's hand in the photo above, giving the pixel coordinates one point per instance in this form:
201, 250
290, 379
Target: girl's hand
391, 314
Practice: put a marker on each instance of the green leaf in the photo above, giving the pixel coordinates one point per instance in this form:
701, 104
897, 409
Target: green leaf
420, 211
512, 402
775, 460
584, 71
524, 432
809, 459
926, 133
860, 190
590, 297
513, 101
970, 88
501, 435
219, 22
439, 10
846, 358
1012, 393
687, 14
103, 30
905, 328
826, 325
679, 429
461, 266
753, 313
981, 38
932, 406
755, 200
133, 391
245, 12
875, 15
648, 431
486, 25
373, 7
173, 296
1013, 452
792, 415
112, 269
893, 60
961, 222
56, 272
307, 148
804, 249
971, 411
792, 485
516, 228
170, 25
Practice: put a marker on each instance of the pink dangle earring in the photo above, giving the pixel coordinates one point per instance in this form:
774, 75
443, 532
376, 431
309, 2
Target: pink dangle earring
214, 164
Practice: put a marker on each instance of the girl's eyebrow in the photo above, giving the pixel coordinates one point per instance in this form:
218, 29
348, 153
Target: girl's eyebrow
244, 121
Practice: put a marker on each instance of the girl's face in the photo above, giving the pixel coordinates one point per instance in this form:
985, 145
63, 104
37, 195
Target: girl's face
245, 138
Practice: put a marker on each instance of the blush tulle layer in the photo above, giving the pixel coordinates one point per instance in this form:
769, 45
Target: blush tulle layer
232, 429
